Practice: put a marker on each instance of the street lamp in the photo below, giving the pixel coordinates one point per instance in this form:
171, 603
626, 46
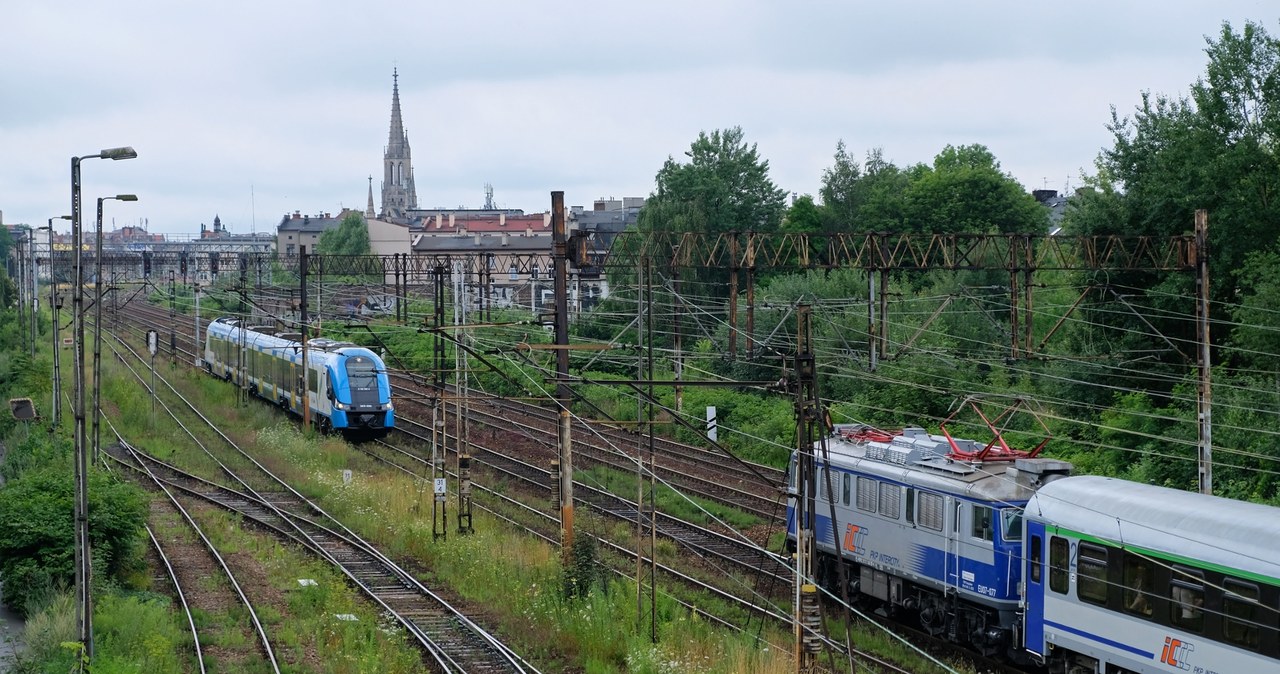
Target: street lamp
97, 324
84, 561
53, 313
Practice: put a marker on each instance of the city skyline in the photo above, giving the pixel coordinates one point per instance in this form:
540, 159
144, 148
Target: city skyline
251, 120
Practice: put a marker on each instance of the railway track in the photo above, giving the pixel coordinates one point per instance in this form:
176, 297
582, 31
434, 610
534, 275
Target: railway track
451, 640
749, 485
193, 573
711, 474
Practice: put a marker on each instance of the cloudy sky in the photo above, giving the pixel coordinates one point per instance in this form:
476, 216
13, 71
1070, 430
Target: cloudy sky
251, 109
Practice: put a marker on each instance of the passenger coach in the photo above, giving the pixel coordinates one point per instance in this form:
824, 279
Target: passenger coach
1129, 577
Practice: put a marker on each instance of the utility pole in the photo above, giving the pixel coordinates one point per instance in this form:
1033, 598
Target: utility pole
1205, 401
35, 292
302, 271
53, 312
173, 324
560, 253
807, 617
440, 480
20, 267
199, 345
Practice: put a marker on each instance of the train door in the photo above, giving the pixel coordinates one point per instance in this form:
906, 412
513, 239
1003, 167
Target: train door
325, 402
951, 562
1035, 577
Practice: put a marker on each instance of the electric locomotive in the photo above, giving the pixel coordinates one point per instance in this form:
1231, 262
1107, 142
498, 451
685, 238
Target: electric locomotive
346, 385
928, 527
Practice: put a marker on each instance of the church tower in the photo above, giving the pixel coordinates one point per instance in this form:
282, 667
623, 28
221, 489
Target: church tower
398, 193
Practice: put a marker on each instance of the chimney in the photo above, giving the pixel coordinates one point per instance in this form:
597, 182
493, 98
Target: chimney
477, 238
451, 226
502, 219
1044, 195
297, 215
505, 239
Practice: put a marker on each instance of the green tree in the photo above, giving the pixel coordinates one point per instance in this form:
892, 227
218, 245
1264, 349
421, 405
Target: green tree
862, 198
965, 191
351, 237
1215, 149
724, 187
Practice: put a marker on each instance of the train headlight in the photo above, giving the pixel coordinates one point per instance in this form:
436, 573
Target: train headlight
341, 406
390, 406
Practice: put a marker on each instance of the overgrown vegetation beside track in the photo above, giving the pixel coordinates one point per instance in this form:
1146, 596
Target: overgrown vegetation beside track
507, 579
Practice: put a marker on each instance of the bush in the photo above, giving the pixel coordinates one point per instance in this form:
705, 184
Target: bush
37, 531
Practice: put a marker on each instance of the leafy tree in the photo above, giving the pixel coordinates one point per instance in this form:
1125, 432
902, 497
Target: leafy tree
724, 187
1215, 149
351, 237
866, 198
965, 191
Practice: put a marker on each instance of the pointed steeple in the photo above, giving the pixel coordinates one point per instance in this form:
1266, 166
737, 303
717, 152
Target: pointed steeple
398, 193
397, 124
369, 214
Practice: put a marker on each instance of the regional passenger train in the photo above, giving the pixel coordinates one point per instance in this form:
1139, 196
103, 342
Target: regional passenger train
346, 385
1014, 557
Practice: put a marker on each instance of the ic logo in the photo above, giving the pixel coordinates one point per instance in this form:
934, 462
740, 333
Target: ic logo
855, 539
1175, 653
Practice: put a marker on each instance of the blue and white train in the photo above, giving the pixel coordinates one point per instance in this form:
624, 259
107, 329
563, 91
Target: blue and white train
1016, 558
346, 385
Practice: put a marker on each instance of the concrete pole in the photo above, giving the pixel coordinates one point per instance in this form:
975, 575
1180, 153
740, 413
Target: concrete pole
560, 247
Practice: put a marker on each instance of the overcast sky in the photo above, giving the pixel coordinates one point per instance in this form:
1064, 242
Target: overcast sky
250, 110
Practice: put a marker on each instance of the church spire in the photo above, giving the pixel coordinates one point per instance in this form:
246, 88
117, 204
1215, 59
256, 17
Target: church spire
369, 213
398, 193
397, 124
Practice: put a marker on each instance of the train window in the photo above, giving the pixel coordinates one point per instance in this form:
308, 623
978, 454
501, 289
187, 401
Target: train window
1137, 586
313, 381
820, 476
930, 510
1011, 520
868, 494
980, 526
1035, 559
1240, 603
911, 505
891, 501
1091, 569
1059, 560
1187, 591
848, 489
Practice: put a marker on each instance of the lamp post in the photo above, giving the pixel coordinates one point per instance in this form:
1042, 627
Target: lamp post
19, 274
35, 288
97, 324
53, 313
34, 300
84, 601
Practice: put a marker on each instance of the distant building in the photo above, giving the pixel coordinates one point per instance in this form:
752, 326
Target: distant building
1057, 206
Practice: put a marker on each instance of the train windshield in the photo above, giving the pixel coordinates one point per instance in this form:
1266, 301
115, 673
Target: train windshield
1011, 518
362, 376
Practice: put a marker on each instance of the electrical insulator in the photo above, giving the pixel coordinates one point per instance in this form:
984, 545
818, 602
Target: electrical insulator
810, 618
